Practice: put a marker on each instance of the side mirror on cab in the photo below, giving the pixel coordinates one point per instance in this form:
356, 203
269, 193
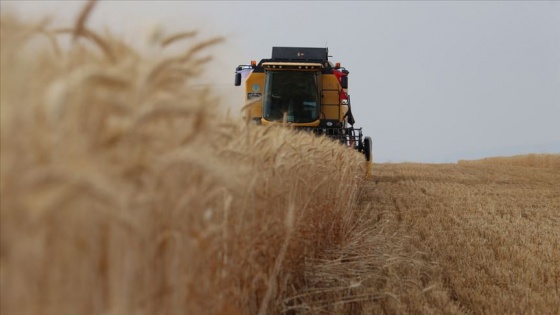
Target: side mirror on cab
344, 82
238, 79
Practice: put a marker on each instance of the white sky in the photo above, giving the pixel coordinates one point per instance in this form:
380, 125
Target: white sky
431, 81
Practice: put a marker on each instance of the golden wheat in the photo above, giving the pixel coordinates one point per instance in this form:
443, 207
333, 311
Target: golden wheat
124, 191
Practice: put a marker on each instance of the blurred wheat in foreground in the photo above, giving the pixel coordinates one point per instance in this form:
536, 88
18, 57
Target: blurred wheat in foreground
125, 192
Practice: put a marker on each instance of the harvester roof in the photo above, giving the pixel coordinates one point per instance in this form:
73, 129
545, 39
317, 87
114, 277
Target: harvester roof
296, 58
300, 54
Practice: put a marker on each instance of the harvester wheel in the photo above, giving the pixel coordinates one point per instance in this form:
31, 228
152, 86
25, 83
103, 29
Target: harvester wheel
367, 148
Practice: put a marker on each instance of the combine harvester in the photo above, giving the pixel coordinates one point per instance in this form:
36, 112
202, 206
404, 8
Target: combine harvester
301, 88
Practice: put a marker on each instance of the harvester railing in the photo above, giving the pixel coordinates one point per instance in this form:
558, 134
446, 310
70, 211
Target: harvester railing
351, 137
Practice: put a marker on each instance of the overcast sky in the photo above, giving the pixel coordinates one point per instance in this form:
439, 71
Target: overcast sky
431, 81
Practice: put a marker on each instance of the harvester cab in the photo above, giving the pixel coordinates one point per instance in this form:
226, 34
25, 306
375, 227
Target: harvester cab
302, 88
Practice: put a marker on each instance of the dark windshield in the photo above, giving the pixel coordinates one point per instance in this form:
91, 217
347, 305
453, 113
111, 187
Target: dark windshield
293, 94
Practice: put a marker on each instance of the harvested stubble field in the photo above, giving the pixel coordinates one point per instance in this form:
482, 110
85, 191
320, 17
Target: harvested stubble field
124, 191
477, 237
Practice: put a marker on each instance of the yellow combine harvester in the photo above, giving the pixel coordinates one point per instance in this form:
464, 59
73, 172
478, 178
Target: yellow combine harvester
302, 88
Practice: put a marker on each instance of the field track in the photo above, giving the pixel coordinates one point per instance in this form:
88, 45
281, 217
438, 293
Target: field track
475, 237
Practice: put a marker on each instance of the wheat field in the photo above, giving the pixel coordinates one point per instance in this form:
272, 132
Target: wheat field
125, 190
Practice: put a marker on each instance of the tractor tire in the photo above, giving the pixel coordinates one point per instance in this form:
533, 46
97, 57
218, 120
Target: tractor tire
367, 148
